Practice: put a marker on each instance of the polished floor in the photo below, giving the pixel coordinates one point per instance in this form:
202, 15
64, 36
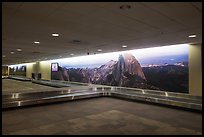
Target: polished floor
103, 116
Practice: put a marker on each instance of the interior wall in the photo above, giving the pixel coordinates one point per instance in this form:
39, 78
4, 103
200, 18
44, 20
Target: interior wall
30, 68
195, 70
44, 67
5, 71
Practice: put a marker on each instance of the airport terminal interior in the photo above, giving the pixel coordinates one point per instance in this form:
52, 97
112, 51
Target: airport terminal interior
102, 68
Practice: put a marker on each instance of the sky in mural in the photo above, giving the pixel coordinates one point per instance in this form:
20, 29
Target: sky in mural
157, 55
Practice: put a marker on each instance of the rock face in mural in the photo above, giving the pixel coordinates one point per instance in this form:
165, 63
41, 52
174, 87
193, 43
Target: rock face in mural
104, 74
62, 74
160, 68
128, 65
125, 72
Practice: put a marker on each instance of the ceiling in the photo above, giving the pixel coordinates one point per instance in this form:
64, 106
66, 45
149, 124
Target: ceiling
88, 26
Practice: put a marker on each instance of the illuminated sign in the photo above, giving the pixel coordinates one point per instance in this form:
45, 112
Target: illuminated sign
54, 66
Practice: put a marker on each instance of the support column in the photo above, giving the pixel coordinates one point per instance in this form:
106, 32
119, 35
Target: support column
195, 70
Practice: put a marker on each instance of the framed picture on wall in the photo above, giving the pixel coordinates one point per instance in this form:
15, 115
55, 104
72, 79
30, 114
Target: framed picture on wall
54, 67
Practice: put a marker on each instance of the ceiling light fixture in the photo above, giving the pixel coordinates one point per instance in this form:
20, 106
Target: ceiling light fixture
55, 34
4, 56
36, 42
12, 52
72, 54
99, 50
124, 46
19, 49
192, 36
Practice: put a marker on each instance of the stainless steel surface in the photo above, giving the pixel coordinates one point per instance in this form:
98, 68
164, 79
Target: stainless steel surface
159, 97
25, 99
50, 83
22, 78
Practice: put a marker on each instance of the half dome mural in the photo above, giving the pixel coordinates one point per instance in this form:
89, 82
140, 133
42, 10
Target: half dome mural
160, 68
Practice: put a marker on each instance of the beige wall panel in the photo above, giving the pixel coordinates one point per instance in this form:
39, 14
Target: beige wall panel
30, 68
45, 70
5, 71
195, 70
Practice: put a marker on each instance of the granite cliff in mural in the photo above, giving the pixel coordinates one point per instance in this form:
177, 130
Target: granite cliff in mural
161, 68
128, 66
125, 72
104, 74
61, 74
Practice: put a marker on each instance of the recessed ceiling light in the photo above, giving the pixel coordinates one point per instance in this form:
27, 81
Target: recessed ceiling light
72, 54
99, 50
45, 58
19, 50
12, 52
55, 34
124, 46
60, 56
36, 42
192, 36
4, 56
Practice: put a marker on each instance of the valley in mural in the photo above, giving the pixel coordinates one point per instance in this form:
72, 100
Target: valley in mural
165, 72
158, 72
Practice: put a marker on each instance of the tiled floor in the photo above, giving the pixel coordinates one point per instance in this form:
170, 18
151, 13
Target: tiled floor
100, 116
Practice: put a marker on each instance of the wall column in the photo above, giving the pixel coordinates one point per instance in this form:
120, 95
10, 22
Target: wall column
195, 70
30, 68
45, 70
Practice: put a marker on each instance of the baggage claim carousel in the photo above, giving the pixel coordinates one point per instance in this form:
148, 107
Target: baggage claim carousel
70, 91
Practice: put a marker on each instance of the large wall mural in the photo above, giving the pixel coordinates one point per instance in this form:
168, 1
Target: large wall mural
19, 70
160, 68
